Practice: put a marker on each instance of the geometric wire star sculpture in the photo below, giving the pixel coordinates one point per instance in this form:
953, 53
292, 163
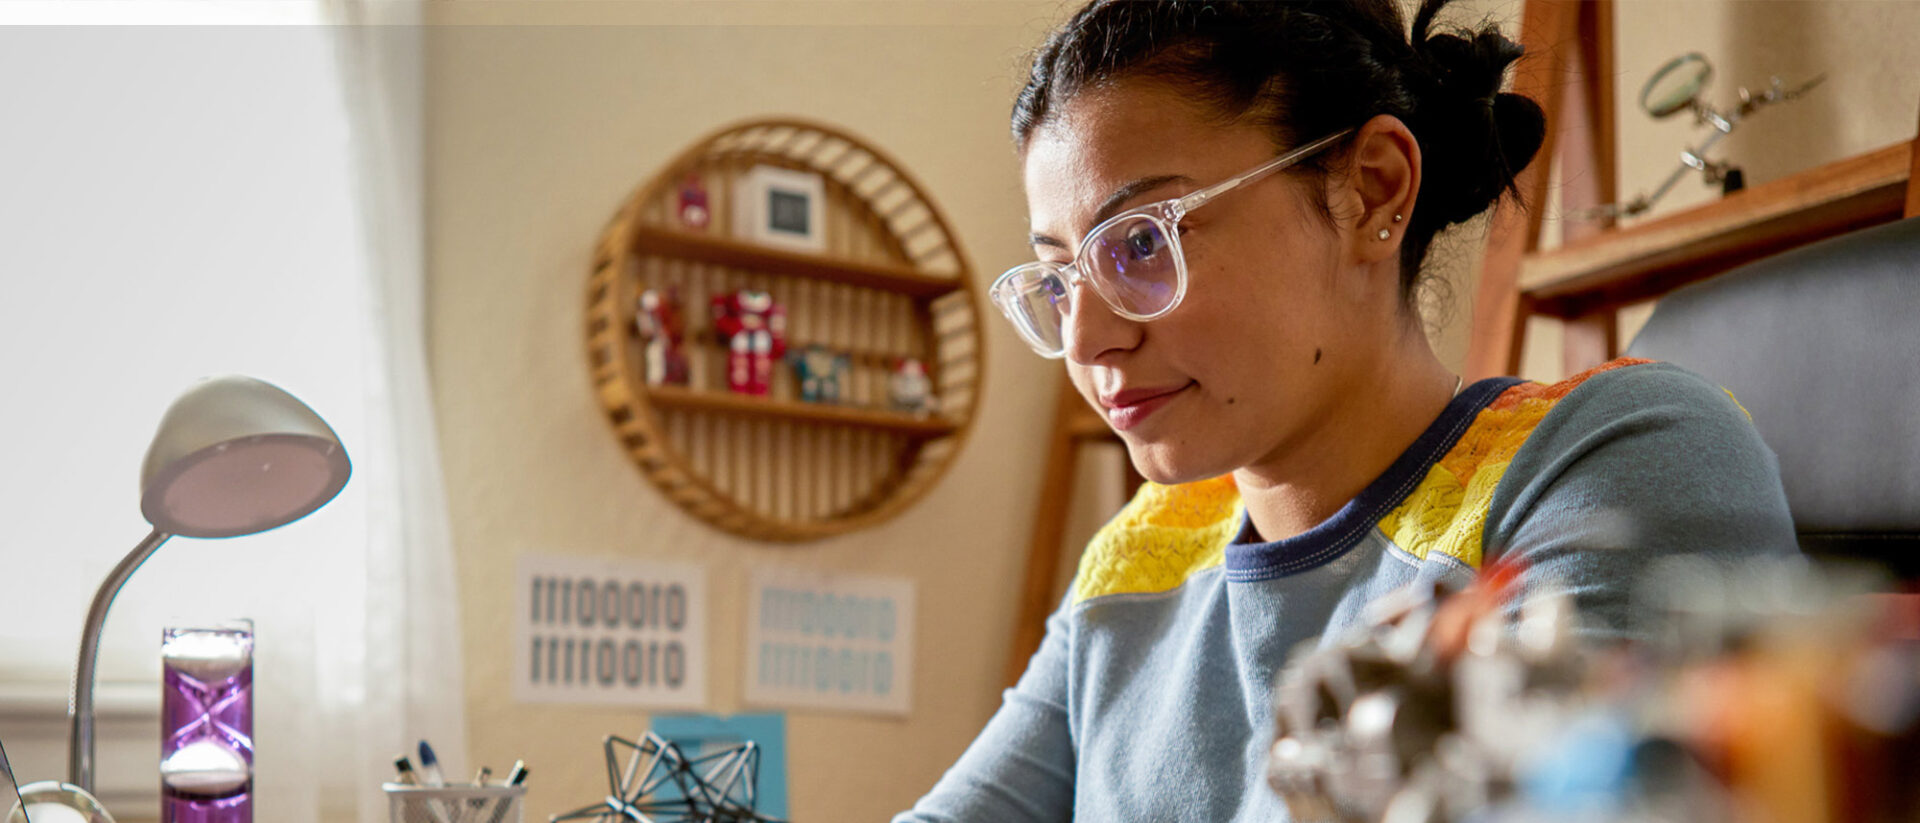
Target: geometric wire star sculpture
713, 788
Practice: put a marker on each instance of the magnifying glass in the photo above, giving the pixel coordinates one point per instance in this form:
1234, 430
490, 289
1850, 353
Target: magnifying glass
1676, 85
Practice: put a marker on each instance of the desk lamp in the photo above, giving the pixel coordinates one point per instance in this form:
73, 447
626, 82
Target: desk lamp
233, 456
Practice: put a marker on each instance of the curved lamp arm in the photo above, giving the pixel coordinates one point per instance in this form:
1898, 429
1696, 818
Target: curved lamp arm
80, 699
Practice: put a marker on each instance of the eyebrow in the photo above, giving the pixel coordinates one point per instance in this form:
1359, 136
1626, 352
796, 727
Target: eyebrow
1111, 205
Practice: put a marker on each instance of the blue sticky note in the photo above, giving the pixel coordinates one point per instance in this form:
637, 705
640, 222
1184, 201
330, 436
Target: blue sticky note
699, 734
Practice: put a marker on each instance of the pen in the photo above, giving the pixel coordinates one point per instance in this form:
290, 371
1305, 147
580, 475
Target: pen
477, 805
430, 777
515, 777
405, 767
430, 766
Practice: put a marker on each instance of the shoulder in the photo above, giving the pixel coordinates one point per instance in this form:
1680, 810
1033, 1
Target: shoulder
1628, 385
1664, 453
1516, 418
1624, 468
1652, 406
1163, 536
1529, 418
1448, 513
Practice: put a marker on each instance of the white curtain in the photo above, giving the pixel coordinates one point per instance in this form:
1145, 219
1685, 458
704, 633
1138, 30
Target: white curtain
413, 681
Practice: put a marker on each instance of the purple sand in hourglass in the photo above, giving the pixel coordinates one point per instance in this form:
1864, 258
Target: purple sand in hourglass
206, 746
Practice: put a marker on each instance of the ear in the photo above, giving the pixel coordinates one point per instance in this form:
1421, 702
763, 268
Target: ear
1382, 180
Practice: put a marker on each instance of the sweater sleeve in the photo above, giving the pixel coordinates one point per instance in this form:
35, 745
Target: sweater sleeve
1635, 465
1021, 767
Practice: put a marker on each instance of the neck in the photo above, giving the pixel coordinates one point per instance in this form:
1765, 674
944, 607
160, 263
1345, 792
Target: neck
1370, 421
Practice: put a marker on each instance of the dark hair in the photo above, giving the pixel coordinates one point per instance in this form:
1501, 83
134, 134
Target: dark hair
1306, 68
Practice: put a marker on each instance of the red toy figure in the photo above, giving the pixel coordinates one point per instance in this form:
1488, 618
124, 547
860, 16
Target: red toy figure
910, 389
754, 329
693, 203
662, 327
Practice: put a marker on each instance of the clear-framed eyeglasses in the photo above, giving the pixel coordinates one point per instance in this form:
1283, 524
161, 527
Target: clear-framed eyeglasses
1133, 260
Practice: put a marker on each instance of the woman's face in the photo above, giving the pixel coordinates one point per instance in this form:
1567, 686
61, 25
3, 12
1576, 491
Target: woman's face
1278, 322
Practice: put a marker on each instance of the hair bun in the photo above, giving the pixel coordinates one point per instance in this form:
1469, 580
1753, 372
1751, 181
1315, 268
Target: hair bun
1483, 137
1522, 129
1469, 70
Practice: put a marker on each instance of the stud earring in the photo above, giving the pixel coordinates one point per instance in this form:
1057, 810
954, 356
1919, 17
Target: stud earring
1398, 218
1384, 234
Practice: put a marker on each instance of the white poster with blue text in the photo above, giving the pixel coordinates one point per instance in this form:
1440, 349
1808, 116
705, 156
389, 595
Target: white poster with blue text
608, 631
821, 640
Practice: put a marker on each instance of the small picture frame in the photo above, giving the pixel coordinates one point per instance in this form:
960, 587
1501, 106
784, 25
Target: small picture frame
781, 207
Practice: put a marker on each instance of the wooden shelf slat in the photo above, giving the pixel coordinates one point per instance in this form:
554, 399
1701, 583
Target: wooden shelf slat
1654, 257
659, 242
749, 406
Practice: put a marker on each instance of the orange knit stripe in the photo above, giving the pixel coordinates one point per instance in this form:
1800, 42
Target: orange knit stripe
1528, 391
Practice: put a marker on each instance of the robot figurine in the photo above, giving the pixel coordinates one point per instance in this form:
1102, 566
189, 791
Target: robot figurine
694, 212
754, 330
909, 388
822, 374
662, 328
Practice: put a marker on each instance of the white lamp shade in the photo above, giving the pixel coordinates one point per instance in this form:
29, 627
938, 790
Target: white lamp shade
235, 456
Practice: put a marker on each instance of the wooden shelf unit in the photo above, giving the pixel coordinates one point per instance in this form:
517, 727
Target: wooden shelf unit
892, 283
1642, 262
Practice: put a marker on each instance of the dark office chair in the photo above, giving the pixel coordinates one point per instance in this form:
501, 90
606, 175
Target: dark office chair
1822, 346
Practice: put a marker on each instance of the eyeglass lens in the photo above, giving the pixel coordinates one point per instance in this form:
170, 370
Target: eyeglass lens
1133, 262
1039, 306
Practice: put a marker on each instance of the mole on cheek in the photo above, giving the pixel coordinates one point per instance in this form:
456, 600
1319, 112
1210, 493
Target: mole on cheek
1229, 401
1316, 357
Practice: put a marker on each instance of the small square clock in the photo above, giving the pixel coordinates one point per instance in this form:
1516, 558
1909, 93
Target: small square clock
781, 207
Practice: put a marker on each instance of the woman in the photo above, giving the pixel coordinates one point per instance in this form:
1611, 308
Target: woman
1230, 203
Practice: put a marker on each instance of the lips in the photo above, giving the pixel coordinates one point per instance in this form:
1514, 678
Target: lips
1127, 409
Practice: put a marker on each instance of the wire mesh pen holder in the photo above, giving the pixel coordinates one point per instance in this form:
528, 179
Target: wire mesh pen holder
455, 804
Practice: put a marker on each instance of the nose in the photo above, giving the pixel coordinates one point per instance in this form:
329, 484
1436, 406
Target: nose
1091, 330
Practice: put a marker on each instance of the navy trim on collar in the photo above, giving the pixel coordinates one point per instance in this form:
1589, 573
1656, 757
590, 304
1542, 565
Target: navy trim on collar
1248, 561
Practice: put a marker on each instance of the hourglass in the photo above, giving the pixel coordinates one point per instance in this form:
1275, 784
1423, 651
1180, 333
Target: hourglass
206, 717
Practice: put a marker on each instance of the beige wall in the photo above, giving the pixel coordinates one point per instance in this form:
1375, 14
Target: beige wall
537, 133
544, 116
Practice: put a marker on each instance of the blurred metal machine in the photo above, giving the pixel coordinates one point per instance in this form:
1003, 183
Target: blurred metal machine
1755, 695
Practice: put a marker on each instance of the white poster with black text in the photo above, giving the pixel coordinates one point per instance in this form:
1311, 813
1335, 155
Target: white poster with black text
607, 631
829, 641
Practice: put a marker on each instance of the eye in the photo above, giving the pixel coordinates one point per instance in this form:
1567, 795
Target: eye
1144, 241
1054, 286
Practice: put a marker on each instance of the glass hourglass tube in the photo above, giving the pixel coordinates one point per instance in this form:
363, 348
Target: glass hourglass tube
206, 716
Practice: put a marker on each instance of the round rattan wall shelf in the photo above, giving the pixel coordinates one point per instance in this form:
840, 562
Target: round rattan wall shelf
888, 282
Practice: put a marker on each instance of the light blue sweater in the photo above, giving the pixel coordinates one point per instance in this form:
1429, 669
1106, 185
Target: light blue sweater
1149, 699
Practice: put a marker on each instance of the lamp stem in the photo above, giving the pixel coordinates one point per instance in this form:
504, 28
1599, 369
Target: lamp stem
80, 704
